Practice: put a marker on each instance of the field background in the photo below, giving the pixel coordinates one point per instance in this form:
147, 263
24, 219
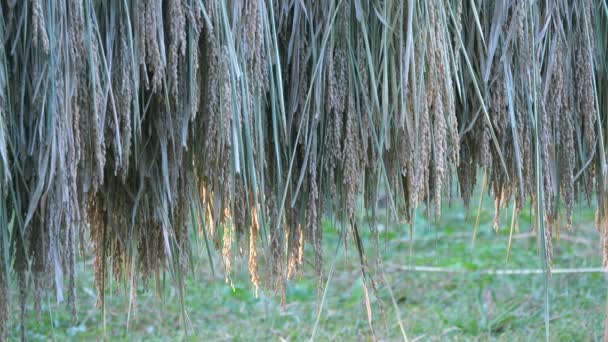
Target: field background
432, 306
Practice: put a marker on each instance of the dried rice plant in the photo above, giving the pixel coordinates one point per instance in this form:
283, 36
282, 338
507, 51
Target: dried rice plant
129, 122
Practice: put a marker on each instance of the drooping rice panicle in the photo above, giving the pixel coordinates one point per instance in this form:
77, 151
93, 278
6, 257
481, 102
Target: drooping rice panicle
270, 115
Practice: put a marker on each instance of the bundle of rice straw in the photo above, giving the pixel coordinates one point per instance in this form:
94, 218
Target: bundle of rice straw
130, 122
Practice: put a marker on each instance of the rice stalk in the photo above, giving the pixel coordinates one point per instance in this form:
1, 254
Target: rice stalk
132, 121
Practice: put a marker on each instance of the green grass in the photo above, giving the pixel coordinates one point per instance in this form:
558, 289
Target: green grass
433, 306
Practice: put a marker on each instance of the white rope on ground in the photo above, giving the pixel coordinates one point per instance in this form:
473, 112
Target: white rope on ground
432, 269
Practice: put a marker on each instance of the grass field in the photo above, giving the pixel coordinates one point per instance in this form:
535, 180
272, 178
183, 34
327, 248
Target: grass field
432, 306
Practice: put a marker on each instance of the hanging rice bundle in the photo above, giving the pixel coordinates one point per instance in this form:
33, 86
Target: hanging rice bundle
128, 122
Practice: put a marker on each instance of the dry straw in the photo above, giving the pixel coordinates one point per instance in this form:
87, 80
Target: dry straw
126, 123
